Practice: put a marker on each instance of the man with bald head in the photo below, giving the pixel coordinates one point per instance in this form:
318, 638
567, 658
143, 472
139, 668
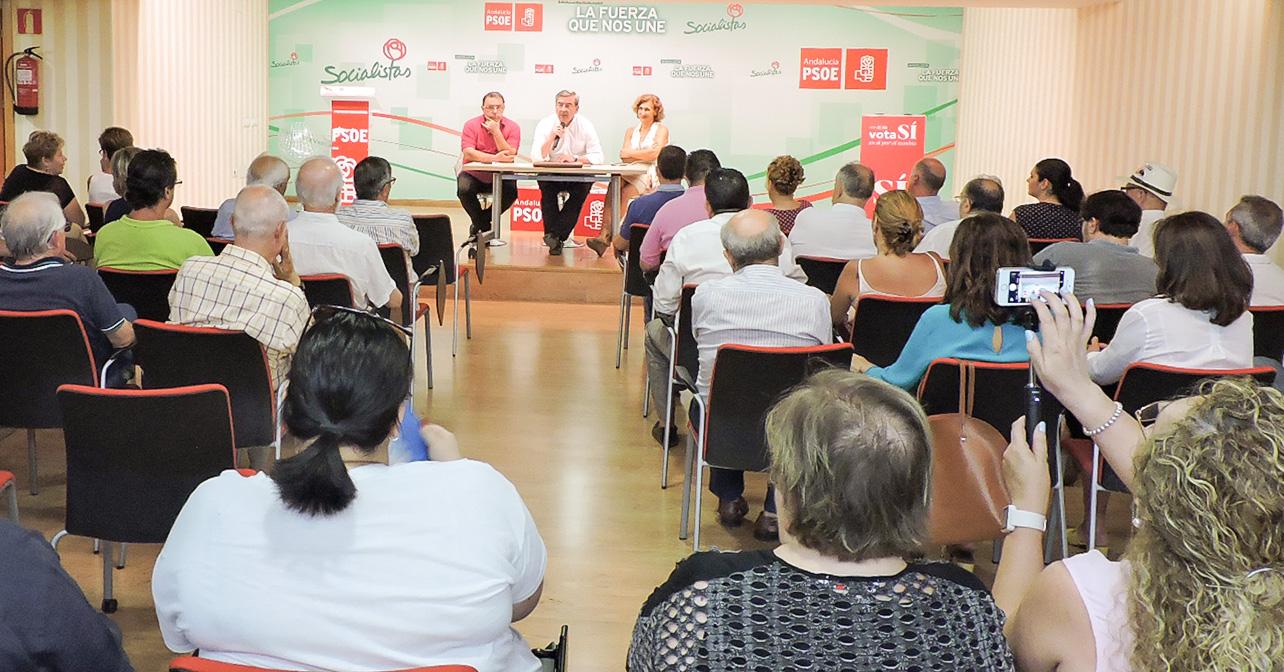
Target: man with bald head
267, 170
321, 244
755, 305
925, 183
981, 194
251, 286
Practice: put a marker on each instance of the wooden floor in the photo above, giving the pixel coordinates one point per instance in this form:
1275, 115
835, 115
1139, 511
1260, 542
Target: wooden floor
536, 394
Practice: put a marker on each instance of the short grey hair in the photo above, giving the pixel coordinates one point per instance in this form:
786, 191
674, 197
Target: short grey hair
319, 193
258, 210
268, 170
857, 180
29, 223
756, 249
1259, 220
567, 93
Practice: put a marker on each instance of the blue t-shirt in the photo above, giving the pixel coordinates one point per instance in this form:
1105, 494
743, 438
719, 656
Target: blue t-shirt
937, 335
643, 208
53, 284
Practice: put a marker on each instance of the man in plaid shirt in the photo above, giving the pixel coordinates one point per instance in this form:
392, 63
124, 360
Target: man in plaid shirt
252, 285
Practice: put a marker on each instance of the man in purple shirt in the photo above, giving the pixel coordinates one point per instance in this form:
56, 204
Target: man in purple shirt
490, 138
688, 208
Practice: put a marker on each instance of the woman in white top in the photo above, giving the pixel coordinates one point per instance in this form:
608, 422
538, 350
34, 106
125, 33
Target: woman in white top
897, 270
102, 189
340, 561
1200, 319
1202, 586
642, 145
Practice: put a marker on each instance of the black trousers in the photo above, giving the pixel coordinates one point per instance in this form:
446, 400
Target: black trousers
468, 187
561, 222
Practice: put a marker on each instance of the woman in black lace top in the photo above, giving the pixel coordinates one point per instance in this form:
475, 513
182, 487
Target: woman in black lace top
1056, 215
851, 460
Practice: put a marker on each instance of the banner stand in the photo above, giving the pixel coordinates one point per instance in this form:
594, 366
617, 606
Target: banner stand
349, 130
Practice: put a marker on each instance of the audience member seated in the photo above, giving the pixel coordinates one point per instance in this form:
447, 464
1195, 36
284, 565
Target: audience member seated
321, 244
851, 458
969, 324
695, 256
251, 286
1151, 186
1205, 549
1106, 268
925, 182
1254, 226
842, 231
38, 277
896, 271
980, 194
43, 172
755, 305
784, 175
670, 165
266, 170
120, 207
682, 211
144, 240
370, 214
1056, 215
101, 185
45, 621
1200, 318
340, 560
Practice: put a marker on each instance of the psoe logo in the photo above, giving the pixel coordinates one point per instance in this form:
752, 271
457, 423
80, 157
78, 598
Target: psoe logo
436, 66
732, 23
394, 50
820, 69
347, 135
866, 69
543, 68
769, 72
523, 17
641, 71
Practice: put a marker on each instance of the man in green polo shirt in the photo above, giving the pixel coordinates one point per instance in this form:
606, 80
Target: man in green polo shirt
144, 240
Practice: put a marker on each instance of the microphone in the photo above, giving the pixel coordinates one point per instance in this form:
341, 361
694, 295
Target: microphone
556, 141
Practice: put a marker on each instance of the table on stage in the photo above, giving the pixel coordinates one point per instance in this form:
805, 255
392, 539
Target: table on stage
570, 172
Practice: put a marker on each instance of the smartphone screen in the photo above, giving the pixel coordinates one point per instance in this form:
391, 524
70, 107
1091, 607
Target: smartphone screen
1017, 286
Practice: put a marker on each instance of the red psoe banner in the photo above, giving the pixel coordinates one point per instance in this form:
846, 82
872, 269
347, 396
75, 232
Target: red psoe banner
890, 146
526, 214
349, 139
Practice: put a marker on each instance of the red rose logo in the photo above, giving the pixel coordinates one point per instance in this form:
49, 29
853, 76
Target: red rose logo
735, 10
294, 55
394, 50
775, 65
597, 62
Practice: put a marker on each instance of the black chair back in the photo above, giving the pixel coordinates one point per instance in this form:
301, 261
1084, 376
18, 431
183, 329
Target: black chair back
1268, 332
1000, 391
635, 283
135, 456
883, 324
331, 289
822, 273
394, 260
747, 381
1108, 316
688, 353
1143, 383
146, 291
200, 220
173, 355
95, 213
43, 350
436, 247
217, 244
1038, 244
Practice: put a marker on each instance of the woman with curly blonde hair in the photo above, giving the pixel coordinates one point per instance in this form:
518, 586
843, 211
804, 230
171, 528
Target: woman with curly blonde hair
784, 175
1202, 586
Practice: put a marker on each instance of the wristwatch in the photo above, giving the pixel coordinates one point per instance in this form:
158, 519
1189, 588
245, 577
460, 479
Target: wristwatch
1014, 518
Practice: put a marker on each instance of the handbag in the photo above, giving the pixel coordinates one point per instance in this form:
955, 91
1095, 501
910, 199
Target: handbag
968, 492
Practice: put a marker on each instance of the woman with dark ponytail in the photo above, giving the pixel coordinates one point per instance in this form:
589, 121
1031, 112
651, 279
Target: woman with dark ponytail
340, 560
897, 270
1056, 215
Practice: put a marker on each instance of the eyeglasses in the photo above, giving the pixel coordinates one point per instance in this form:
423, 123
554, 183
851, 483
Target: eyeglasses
1130, 187
492, 108
1147, 415
326, 311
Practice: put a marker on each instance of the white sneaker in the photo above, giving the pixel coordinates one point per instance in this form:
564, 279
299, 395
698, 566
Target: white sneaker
496, 242
571, 242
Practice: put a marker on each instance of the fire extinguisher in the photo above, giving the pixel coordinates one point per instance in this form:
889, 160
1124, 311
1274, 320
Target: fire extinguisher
22, 75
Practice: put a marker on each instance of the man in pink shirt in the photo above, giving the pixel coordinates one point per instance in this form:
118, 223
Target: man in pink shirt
688, 208
490, 138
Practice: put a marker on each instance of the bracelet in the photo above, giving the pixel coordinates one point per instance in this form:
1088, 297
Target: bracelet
1119, 408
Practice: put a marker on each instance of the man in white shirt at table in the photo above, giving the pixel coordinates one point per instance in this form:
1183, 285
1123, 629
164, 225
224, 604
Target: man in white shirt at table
843, 231
1254, 224
565, 137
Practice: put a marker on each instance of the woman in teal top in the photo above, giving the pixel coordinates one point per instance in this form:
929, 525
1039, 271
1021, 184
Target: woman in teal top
969, 324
